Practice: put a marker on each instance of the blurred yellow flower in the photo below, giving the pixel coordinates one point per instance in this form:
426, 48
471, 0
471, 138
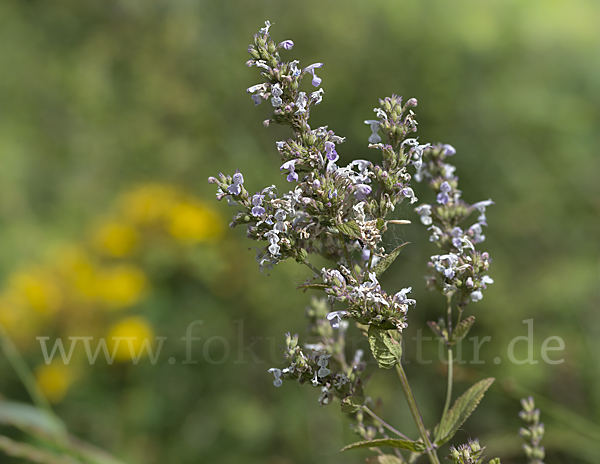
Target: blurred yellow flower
140, 334
148, 203
54, 380
192, 222
36, 289
76, 267
116, 239
120, 286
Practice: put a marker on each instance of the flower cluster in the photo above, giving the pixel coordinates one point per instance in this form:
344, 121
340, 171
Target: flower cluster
331, 210
534, 432
461, 269
469, 453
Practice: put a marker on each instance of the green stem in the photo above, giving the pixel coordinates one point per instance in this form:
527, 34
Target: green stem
450, 361
28, 381
311, 267
449, 387
385, 424
416, 415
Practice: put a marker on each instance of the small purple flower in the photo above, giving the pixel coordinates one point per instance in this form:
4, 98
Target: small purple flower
238, 180
335, 318
265, 30
400, 297
409, 193
286, 44
361, 191
457, 234
480, 206
316, 81
374, 137
317, 96
257, 99
330, 150
301, 103
443, 196
277, 373
276, 92
425, 212
475, 231
290, 166
257, 210
449, 150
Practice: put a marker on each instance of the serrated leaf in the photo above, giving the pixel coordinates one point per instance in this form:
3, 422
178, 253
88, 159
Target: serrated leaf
384, 459
350, 228
351, 404
386, 351
461, 410
462, 329
387, 260
314, 286
407, 445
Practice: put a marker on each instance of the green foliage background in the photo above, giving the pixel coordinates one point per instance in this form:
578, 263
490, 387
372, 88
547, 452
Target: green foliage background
96, 96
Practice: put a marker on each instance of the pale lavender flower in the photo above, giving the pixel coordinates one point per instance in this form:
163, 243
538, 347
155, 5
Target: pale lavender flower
316, 81
301, 103
286, 44
409, 193
322, 363
443, 197
424, 211
330, 150
257, 210
362, 191
335, 318
276, 92
290, 166
475, 231
265, 30
317, 96
457, 234
480, 206
374, 137
277, 373
449, 150
238, 181
400, 297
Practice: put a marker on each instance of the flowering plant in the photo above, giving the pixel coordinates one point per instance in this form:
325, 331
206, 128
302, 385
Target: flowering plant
341, 213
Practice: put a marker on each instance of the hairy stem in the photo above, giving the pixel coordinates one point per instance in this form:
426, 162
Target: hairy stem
385, 424
347, 256
433, 458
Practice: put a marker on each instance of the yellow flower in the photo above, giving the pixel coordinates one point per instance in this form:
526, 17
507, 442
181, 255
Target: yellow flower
192, 222
54, 380
148, 204
140, 334
120, 286
76, 267
38, 290
116, 239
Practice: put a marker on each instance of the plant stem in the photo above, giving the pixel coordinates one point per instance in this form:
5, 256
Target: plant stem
449, 387
385, 424
416, 415
28, 381
311, 267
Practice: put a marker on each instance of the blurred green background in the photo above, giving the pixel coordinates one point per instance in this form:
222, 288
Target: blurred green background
114, 113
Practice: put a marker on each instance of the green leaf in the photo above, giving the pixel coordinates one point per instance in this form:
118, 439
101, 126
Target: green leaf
386, 351
33, 453
387, 260
438, 331
461, 410
385, 459
495, 461
462, 329
31, 420
314, 286
407, 445
350, 229
351, 404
